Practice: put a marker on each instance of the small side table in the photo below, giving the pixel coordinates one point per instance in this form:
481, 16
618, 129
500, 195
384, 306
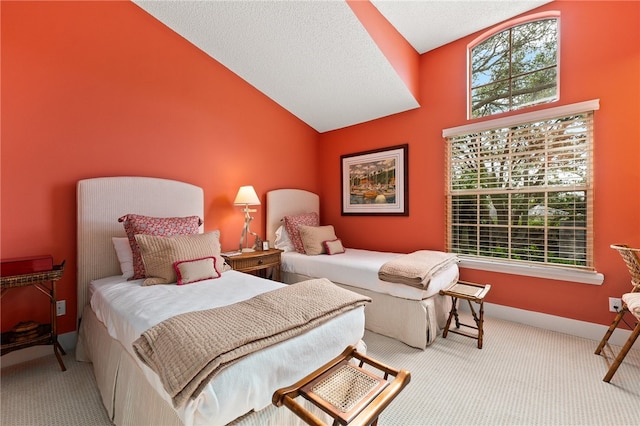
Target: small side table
345, 391
256, 261
470, 292
43, 334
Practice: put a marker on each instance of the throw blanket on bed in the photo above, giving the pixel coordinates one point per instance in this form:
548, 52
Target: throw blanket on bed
417, 268
187, 350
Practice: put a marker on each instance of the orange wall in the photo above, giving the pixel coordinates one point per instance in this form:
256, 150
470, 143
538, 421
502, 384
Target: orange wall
600, 58
101, 88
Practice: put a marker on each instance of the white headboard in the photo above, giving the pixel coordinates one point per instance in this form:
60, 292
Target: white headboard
283, 202
101, 201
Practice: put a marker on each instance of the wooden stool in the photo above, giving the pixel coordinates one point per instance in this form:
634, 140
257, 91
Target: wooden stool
347, 392
471, 293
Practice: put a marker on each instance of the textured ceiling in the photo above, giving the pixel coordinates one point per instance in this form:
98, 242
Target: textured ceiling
314, 58
429, 24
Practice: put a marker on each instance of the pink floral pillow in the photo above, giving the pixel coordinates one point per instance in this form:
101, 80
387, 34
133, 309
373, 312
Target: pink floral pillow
291, 224
157, 226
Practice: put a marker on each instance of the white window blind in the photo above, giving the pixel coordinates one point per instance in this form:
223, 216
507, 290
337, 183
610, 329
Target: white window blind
520, 189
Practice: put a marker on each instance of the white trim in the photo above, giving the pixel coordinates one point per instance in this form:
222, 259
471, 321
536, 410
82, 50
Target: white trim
587, 330
538, 271
527, 117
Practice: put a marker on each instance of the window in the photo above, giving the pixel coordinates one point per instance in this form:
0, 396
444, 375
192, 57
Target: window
515, 68
519, 189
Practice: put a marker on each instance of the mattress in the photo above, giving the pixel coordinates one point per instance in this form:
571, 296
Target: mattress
359, 268
127, 309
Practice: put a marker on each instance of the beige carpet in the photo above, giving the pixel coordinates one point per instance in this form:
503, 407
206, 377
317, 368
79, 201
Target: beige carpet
522, 376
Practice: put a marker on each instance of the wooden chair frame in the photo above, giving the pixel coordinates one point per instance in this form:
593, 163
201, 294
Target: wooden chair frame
631, 257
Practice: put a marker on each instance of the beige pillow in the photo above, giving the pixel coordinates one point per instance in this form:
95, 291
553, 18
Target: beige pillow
334, 246
160, 253
313, 236
191, 271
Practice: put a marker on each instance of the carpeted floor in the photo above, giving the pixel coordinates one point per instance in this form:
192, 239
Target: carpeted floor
522, 376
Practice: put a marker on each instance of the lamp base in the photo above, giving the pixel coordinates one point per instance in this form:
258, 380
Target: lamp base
247, 250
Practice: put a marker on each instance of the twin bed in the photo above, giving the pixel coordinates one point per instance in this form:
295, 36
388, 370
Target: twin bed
134, 363
115, 312
410, 314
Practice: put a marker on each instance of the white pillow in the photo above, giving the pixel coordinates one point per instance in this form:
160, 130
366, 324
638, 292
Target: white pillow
282, 241
125, 256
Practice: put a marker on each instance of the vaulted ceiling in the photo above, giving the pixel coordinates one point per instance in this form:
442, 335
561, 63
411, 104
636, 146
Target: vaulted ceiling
315, 58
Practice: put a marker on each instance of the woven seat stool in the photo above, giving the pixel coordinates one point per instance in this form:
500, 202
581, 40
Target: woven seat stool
470, 292
347, 388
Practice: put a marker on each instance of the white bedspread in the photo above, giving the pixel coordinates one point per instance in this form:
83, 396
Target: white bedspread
359, 268
127, 309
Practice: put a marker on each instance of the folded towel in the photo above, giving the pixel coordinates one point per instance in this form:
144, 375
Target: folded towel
633, 303
417, 268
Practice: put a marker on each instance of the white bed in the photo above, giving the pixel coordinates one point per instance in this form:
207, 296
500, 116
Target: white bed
412, 315
115, 311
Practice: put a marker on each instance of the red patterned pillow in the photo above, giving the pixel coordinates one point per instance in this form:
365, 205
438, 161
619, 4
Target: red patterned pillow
158, 226
291, 223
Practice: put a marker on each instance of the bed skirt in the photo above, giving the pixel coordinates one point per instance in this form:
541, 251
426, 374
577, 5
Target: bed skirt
416, 323
129, 398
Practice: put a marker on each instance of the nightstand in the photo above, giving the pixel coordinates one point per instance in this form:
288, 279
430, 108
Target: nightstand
30, 333
256, 261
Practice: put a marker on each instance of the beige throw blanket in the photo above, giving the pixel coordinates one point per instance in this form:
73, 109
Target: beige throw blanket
417, 268
187, 350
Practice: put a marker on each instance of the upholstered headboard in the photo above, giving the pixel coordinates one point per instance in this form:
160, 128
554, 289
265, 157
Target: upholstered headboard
101, 201
283, 202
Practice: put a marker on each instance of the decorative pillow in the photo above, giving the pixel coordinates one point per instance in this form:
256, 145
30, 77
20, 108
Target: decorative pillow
283, 242
125, 257
160, 253
313, 236
291, 223
333, 246
162, 226
191, 271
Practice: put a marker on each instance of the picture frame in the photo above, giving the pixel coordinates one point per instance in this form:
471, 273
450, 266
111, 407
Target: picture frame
376, 182
265, 245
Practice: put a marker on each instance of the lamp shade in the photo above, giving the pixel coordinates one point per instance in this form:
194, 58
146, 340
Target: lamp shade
247, 196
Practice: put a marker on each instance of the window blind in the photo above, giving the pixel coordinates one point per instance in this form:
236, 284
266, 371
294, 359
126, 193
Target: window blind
523, 191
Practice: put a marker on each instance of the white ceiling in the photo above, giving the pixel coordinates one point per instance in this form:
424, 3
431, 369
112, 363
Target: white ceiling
314, 58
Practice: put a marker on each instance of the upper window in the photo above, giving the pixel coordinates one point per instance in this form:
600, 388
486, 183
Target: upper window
515, 68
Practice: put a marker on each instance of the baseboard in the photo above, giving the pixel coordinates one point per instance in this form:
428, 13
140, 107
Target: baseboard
66, 340
570, 326
573, 327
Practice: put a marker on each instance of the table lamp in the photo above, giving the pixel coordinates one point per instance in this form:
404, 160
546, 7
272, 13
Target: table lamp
246, 197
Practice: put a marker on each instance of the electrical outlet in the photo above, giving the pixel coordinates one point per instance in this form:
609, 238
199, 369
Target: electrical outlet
615, 304
61, 307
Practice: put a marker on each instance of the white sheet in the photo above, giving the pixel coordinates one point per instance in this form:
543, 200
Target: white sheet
127, 309
359, 268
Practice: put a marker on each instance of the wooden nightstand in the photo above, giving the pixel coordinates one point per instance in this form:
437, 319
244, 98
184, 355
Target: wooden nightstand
256, 261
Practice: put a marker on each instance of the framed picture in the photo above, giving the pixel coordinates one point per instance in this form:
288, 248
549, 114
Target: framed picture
265, 245
376, 182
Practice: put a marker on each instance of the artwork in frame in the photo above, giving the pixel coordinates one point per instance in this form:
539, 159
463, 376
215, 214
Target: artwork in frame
376, 182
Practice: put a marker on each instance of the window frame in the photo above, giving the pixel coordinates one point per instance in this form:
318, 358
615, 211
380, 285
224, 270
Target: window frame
553, 14
566, 273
